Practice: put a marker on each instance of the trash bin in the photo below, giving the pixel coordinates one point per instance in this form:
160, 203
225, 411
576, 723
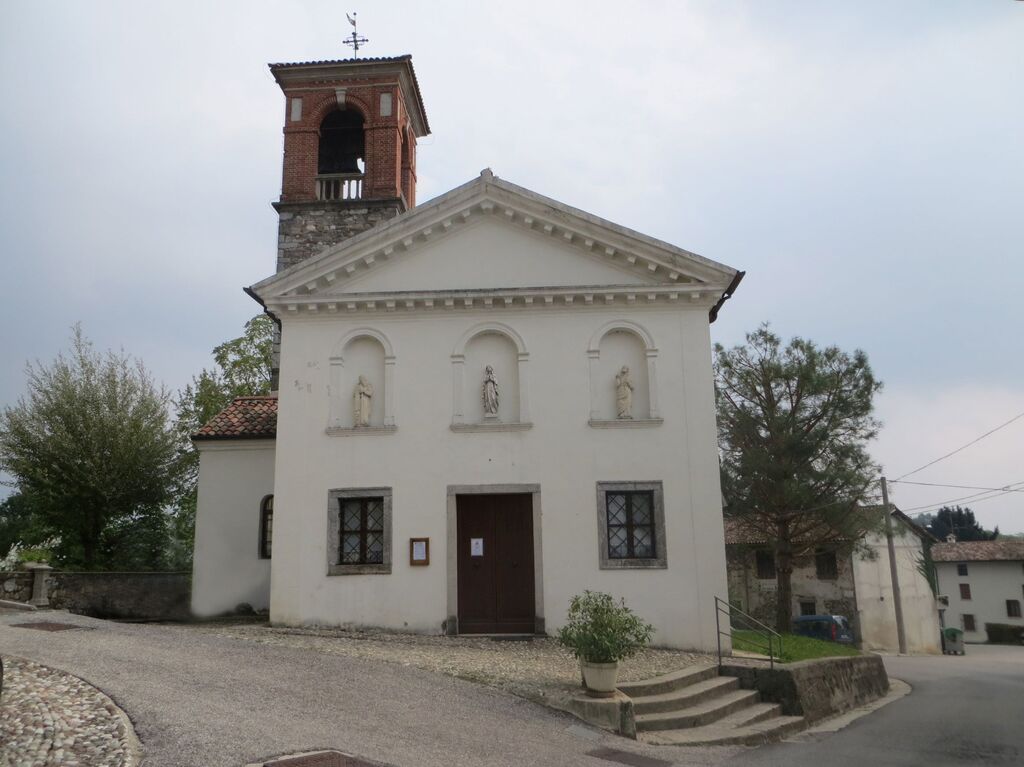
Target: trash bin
953, 643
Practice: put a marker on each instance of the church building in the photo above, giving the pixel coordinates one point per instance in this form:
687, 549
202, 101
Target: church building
485, 404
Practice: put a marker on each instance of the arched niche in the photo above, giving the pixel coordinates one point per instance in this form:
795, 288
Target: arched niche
615, 345
362, 352
502, 348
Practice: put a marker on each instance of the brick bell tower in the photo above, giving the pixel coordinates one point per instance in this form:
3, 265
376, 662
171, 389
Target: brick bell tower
349, 150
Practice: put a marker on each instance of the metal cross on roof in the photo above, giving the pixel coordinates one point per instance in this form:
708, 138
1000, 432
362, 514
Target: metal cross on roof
354, 39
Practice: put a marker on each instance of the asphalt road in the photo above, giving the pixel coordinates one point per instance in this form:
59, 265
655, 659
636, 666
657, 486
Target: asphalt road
198, 700
202, 700
962, 711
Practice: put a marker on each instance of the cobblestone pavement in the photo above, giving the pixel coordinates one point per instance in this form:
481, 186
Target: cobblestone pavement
539, 670
52, 719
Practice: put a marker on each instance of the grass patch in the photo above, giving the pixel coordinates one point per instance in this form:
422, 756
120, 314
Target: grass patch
794, 647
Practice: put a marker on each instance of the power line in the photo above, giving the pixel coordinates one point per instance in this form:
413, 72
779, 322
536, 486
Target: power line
960, 487
963, 447
976, 498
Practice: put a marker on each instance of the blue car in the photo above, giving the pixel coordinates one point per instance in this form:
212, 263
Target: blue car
831, 628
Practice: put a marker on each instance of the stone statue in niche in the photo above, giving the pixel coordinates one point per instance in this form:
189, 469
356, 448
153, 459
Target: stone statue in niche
362, 399
624, 393
490, 393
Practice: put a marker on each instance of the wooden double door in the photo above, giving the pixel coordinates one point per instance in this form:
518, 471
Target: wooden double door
495, 564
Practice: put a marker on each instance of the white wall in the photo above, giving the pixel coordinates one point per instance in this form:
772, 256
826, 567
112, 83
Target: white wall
561, 453
992, 583
234, 477
875, 606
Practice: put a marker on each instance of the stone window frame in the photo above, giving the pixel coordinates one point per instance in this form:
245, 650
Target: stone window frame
1013, 608
266, 526
334, 530
961, 569
660, 559
802, 604
965, 592
968, 618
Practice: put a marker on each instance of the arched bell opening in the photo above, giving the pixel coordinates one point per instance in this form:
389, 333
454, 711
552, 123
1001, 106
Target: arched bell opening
341, 156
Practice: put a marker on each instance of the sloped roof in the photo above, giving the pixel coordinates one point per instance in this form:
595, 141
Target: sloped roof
979, 551
739, 530
244, 418
671, 274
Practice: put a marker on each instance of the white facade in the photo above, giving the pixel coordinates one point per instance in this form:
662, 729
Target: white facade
234, 478
876, 612
991, 583
557, 302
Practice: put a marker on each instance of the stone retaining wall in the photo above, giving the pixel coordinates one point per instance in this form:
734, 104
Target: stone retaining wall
816, 689
17, 586
138, 596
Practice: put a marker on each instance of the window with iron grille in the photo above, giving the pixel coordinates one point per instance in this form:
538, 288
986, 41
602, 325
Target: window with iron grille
965, 591
362, 531
266, 526
1012, 608
359, 531
808, 608
826, 566
631, 524
969, 623
765, 564
961, 569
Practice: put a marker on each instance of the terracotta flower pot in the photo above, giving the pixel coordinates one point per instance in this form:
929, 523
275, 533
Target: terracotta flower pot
600, 677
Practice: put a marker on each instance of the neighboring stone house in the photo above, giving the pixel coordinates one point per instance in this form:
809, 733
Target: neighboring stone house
984, 582
488, 403
850, 578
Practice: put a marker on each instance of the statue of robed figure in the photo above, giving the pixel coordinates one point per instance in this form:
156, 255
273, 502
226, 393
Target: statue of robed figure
362, 399
624, 393
490, 393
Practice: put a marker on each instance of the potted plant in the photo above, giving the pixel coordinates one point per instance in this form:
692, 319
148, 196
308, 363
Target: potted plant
601, 632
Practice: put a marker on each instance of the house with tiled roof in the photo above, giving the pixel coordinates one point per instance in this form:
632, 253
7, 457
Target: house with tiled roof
983, 582
444, 372
844, 577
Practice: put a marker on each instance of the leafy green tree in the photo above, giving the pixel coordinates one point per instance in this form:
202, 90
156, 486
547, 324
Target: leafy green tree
242, 369
960, 522
20, 523
91, 444
793, 423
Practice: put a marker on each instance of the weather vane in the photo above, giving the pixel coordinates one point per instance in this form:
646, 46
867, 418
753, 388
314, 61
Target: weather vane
354, 40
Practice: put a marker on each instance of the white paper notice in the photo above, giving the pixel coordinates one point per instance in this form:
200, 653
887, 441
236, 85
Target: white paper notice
419, 551
476, 547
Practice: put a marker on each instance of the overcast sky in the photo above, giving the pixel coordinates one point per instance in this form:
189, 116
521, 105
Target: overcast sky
862, 161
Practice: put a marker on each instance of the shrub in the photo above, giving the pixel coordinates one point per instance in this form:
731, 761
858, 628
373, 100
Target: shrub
1004, 633
600, 630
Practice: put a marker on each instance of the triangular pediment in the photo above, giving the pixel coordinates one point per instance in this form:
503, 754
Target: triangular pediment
490, 236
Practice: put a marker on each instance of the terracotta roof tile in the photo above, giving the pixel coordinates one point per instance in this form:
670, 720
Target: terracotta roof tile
979, 551
244, 418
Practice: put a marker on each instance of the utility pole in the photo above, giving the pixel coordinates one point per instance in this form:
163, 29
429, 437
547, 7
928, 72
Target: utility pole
897, 599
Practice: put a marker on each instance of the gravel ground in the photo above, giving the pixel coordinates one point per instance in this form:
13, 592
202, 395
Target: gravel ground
539, 669
52, 719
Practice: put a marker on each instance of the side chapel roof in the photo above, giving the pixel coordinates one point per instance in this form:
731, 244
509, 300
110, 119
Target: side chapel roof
244, 418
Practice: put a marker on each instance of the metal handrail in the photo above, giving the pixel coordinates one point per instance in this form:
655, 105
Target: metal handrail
772, 637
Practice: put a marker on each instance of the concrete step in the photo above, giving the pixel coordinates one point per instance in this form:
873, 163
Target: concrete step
676, 680
700, 714
721, 734
686, 697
